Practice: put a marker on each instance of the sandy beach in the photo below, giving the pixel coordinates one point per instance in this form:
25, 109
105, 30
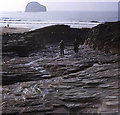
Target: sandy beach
5, 30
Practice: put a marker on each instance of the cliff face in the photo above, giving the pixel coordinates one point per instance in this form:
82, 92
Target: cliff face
105, 37
35, 7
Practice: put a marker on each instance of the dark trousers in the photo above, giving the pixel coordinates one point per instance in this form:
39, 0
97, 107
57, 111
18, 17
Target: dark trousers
76, 49
62, 51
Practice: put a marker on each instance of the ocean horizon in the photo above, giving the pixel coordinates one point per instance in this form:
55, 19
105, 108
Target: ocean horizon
75, 19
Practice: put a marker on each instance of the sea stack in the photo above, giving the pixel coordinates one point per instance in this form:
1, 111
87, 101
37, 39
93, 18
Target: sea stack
35, 7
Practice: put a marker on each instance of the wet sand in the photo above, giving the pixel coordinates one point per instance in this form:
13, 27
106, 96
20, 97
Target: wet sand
5, 30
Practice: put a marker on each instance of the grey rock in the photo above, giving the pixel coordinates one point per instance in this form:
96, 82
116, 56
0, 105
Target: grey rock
78, 85
35, 7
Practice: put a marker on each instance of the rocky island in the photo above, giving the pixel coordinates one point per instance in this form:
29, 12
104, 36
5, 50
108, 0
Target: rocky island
37, 80
35, 7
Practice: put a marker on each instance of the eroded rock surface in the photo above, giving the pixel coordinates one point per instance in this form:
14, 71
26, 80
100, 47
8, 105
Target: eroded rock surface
46, 83
23, 44
105, 37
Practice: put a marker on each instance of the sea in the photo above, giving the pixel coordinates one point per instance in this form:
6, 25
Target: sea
75, 19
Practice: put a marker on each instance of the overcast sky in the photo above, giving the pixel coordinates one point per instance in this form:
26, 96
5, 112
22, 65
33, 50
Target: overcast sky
77, 5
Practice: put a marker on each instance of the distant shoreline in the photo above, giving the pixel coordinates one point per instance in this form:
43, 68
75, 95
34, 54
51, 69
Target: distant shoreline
32, 26
76, 19
12, 29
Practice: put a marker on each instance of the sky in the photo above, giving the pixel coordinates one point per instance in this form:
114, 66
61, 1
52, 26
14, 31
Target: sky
76, 5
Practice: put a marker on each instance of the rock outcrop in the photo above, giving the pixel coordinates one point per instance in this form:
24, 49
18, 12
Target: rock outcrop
53, 34
46, 83
24, 44
105, 37
35, 7
19, 45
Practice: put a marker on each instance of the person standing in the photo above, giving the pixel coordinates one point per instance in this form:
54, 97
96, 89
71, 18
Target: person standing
76, 46
8, 25
61, 46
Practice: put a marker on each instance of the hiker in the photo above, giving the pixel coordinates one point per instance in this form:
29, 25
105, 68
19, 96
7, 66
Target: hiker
8, 25
76, 46
61, 46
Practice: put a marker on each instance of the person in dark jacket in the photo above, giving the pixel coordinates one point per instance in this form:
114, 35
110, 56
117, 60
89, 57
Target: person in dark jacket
76, 46
61, 46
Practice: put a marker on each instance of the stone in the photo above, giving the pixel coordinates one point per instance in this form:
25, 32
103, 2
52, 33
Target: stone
112, 103
71, 106
59, 110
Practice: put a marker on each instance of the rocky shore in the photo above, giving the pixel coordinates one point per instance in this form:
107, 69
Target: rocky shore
23, 44
105, 37
37, 80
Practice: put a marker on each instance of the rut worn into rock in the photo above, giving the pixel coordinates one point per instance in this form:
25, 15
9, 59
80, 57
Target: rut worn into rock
46, 83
